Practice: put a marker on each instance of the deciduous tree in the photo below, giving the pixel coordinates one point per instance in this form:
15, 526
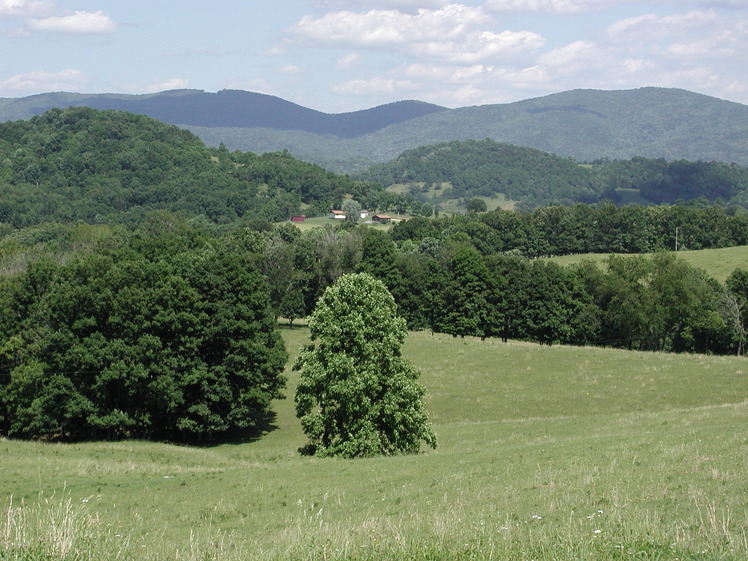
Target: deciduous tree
357, 395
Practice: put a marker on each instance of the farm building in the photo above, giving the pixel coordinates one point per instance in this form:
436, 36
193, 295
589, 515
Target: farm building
381, 218
298, 218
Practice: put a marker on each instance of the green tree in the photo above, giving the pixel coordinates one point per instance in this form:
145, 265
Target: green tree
476, 204
121, 346
357, 395
463, 295
352, 209
734, 307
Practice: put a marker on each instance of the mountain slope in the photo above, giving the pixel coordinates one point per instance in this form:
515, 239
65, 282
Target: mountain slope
583, 124
532, 177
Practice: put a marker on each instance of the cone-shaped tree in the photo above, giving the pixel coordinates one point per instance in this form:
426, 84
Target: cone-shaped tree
357, 396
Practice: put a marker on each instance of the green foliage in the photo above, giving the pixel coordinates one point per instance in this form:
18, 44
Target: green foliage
111, 166
476, 204
357, 395
484, 168
599, 228
127, 344
478, 169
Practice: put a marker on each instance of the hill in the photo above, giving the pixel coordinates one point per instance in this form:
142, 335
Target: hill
584, 124
487, 169
113, 166
546, 453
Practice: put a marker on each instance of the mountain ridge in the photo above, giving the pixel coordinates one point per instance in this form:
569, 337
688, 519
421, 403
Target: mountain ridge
226, 108
583, 124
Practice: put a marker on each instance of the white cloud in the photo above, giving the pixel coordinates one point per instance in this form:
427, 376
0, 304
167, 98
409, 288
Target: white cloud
161, 86
289, 69
390, 27
69, 79
573, 54
688, 36
402, 5
23, 8
75, 23
349, 61
634, 65
171, 84
548, 6
481, 46
456, 34
653, 27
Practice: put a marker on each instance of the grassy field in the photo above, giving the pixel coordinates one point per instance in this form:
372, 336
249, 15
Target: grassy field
718, 263
545, 453
452, 206
322, 221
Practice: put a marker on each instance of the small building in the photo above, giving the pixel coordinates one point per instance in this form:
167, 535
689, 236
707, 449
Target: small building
337, 215
364, 213
381, 218
296, 218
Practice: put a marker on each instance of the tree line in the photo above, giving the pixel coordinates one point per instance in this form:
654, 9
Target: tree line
449, 283
598, 228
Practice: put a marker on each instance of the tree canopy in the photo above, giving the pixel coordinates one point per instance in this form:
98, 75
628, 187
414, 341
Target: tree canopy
127, 344
357, 395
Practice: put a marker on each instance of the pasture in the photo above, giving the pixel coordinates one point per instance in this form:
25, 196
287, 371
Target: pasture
545, 453
718, 263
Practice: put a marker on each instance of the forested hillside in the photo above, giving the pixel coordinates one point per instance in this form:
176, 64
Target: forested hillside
101, 166
485, 168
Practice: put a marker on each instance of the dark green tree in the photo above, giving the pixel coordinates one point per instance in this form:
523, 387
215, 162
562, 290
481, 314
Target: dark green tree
357, 395
463, 301
123, 346
476, 204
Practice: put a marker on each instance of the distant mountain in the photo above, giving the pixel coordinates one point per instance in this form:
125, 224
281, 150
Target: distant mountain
227, 108
583, 124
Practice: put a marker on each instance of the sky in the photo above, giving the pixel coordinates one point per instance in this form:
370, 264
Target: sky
337, 56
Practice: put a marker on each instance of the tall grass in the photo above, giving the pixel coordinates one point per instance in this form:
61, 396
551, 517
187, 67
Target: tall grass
56, 528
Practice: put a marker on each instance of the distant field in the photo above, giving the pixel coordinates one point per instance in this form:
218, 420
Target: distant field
718, 263
322, 221
451, 205
631, 197
545, 453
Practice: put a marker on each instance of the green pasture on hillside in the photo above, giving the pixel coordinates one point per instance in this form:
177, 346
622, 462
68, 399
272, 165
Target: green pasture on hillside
433, 194
718, 263
545, 453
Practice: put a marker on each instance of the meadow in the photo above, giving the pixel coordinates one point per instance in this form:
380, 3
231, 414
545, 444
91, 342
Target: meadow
545, 453
718, 263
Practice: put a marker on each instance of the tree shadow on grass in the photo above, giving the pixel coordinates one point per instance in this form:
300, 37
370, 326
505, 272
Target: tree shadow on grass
264, 425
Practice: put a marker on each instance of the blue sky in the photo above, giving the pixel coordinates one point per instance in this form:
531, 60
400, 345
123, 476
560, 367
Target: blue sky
336, 56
